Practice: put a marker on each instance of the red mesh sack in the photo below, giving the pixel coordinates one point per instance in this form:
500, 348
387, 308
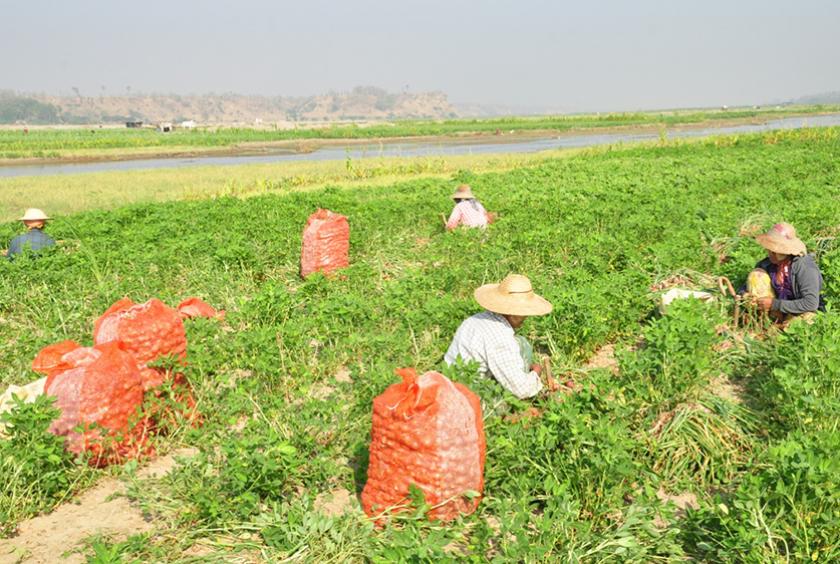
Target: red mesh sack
99, 388
194, 307
427, 431
50, 358
326, 243
149, 331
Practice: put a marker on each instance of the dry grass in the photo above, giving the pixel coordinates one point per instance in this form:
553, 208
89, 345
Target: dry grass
67, 194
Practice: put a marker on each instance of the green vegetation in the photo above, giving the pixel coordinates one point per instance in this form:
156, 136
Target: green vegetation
38, 473
589, 480
60, 143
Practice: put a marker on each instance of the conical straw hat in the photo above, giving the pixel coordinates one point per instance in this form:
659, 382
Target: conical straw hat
782, 239
463, 192
513, 296
34, 214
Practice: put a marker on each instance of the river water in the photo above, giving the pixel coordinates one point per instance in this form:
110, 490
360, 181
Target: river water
405, 148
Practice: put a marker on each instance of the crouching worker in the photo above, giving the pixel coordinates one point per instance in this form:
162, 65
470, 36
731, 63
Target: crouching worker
468, 211
489, 339
34, 239
788, 282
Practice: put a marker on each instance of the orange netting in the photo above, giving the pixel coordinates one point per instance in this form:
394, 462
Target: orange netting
427, 431
101, 388
98, 388
326, 243
194, 307
50, 360
150, 331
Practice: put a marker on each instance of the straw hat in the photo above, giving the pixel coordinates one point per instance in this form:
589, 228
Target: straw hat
514, 296
782, 239
463, 192
34, 214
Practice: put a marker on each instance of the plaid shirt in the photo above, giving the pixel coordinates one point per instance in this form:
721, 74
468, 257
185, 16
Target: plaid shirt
488, 339
467, 212
34, 240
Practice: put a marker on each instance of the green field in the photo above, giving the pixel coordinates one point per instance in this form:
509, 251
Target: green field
746, 423
115, 142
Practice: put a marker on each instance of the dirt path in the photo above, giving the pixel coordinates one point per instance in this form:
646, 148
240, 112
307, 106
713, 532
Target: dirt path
100, 510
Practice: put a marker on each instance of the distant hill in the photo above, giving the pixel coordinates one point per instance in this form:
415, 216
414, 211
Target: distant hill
826, 98
361, 103
466, 109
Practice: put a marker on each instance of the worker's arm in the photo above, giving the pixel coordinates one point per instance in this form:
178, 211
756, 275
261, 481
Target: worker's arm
454, 218
808, 282
505, 364
14, 248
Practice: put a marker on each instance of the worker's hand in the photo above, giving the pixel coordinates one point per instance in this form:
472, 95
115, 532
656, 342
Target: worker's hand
492, 217
764, 304
536, 368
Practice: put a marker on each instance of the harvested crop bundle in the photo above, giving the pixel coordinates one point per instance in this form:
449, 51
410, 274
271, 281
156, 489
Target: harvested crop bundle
759, 285
98, 388
427, 432
326, 243
150, 331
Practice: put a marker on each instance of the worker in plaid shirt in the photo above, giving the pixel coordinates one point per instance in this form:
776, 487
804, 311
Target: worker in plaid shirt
34, 239
468, 211
488, 337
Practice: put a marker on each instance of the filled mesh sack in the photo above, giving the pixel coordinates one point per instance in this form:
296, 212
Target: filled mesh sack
99, 391
150, 331
326, 243
427, 432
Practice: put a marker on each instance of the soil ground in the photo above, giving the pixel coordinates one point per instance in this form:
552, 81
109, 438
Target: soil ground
101, 510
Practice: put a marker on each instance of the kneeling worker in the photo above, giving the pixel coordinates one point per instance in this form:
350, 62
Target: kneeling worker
34, 239
468, 211
489, 339
788, 282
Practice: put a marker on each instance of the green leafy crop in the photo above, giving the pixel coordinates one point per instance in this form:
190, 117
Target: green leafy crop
701, 442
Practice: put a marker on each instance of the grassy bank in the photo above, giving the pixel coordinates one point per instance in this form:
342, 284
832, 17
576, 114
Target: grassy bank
594, 477
66, 194
116, 143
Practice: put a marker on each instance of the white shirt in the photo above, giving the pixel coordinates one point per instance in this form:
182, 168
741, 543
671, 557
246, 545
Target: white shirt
467, 212
488, 339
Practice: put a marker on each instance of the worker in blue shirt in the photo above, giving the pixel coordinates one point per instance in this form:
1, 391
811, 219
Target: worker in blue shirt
34, 239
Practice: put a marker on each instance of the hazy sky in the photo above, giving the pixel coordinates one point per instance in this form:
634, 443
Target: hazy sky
569, 56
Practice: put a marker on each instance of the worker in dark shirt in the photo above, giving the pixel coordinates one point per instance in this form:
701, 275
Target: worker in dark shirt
788, 282
34, 239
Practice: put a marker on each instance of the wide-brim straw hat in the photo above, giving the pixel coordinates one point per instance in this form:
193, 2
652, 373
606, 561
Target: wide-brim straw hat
782, 239
513, 296
463, 192
34, 214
